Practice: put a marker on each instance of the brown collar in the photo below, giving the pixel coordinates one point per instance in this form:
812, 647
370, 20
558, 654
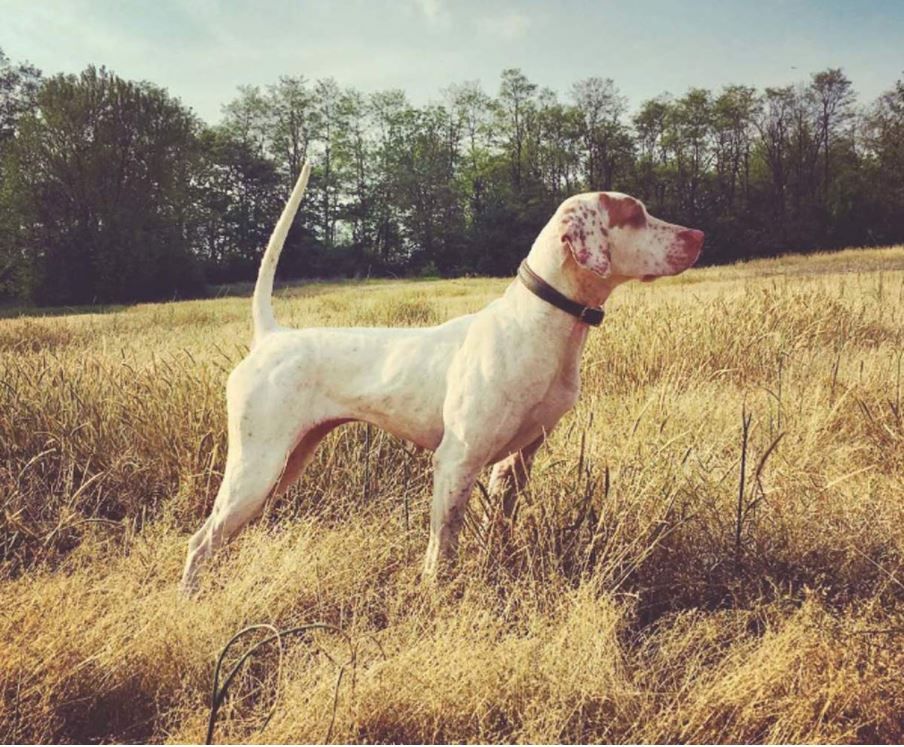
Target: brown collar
540, 288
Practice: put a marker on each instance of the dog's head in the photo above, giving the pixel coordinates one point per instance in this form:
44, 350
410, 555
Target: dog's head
612, 235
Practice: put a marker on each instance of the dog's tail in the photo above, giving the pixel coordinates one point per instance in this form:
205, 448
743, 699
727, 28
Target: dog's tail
261, 307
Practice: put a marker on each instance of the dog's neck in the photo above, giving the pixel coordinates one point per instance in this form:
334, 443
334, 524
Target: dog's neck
551, 260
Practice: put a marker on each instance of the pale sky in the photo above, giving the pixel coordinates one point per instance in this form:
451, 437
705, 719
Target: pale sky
201, 50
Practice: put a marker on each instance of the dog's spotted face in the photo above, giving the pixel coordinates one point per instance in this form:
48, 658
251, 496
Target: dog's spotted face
612, 235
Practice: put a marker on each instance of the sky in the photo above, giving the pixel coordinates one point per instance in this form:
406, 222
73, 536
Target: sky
202, 50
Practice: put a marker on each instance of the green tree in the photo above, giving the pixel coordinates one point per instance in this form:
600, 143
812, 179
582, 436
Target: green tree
834, 98
102, 172
237, 200
516, 111
883, 183
774, 127
353, 152
560, 148
734, 112
652, 168
289, 126
601, 108
248, 119
472, 109
690, 137
19, 85
390, 115
327, 186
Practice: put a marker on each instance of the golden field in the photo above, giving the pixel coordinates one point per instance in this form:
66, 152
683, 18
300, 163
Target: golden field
648, 593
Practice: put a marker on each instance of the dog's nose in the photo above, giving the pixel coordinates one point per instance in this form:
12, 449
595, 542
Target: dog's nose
692, 239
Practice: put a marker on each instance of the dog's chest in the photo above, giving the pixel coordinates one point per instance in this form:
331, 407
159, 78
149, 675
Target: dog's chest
558, 399
542, 400
539, 419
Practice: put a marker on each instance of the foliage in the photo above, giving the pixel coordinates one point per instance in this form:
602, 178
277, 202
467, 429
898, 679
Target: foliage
99, 182
457, 186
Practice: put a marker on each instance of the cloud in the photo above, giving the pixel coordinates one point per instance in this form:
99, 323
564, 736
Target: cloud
433, 10
509, 25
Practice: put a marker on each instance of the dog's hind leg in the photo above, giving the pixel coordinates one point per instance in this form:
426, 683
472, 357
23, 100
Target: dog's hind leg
269, 444
247, 482
256, 467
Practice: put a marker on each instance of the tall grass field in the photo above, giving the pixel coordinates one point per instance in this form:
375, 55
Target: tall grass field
711, 548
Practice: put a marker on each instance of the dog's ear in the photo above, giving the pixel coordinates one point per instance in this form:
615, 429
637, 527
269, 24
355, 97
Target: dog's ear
584, 233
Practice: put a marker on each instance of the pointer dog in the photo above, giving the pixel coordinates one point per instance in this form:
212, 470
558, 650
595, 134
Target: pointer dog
480, 389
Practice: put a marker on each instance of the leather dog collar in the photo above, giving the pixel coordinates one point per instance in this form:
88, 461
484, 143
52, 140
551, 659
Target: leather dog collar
541, 289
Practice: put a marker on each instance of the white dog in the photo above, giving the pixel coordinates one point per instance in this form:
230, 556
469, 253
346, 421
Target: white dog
480, 389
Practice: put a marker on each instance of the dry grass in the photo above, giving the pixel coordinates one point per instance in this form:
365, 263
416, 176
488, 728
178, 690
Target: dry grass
641, 598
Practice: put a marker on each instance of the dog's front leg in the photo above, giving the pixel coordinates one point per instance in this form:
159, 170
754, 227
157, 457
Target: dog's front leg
509, 478
454, 474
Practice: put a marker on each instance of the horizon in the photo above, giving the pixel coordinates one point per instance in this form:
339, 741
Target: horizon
415, 45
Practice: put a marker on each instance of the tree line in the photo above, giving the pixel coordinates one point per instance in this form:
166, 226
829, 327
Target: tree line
112, 190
